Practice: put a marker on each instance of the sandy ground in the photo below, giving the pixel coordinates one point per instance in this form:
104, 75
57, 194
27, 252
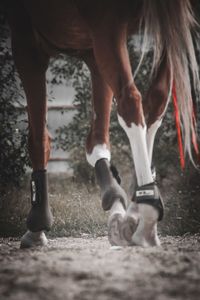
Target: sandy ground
88, 268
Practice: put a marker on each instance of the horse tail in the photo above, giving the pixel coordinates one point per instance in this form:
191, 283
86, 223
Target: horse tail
168, 26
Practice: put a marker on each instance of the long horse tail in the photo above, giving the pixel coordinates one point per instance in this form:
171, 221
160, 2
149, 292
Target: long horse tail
168, 26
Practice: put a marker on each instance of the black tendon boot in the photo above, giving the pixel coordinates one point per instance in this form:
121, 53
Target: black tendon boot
40, 217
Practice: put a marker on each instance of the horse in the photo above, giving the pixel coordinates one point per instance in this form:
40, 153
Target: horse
97, 33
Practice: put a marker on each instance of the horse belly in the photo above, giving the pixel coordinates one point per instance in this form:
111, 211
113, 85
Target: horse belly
60, 23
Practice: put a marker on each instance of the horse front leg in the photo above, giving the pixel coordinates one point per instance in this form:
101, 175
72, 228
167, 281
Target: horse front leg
147, 206
113, 61
32, 65
98, 153
154, 105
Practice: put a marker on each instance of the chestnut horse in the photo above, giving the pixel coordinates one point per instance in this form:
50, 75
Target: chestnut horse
97, 31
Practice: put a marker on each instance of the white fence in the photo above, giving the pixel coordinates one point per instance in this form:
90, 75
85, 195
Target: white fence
60, 112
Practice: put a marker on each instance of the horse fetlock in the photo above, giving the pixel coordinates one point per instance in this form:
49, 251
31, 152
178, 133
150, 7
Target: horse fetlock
40, 216
33, 239
117, 208
113, 193
109, 181
148, 213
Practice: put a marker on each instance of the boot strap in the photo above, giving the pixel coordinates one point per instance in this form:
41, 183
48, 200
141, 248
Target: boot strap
149, 194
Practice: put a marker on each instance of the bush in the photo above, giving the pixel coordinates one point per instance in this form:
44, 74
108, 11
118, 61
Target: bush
13, 140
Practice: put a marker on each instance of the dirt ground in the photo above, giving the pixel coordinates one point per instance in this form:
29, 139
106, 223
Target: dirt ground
79, 263
88, 268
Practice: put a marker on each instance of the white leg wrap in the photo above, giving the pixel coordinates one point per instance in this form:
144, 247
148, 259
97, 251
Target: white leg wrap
151, 133
98, 152
137, 138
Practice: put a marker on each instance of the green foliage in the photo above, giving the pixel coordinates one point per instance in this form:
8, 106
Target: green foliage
73, 135
13, 153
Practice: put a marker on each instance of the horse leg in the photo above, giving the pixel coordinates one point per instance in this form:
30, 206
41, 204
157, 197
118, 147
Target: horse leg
113, 62
155, 105
98, 153
32, 64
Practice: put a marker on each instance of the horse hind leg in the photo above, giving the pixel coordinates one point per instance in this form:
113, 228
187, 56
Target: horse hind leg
98, 153
32, 65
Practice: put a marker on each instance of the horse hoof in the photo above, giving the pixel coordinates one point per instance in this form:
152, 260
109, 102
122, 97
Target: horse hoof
146, 232
33, 239
111, 194
152, 241
114, 231
128, 228
130, 222
115, 222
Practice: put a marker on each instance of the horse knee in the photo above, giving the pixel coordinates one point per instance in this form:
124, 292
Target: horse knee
155, 104
130, 106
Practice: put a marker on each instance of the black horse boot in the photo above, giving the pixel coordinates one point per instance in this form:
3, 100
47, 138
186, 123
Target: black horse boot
40, 217
150, 209
149, 194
